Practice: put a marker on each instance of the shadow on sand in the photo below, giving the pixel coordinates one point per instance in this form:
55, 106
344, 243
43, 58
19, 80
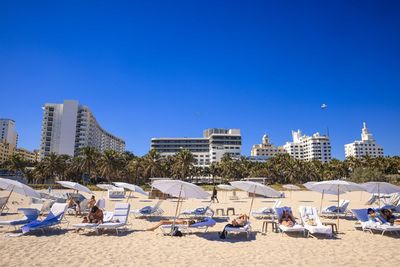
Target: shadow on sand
232, 238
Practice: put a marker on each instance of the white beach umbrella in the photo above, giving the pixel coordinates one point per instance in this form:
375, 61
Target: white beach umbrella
180, 189
380, 188
75, 186
106, 186
340, 186
255, 188
291, 187
17, 187
131, 187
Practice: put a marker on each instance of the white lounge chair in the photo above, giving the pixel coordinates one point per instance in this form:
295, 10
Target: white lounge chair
367, 226
266, 212
244, 229
297, 228
332, 211
3, 205
198, 213
203, 224
101, 204
54, 218
119, 219
312, 223
107, 217
149, 210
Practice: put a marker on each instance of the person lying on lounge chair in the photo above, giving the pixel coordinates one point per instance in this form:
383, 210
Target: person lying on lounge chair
287, 219
169, 222
236, 223
389, 217
375, 217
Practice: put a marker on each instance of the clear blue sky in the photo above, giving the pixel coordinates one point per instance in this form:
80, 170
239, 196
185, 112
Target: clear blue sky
169, 69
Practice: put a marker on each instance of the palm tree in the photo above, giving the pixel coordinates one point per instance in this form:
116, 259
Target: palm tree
183, 164
16, 164
50, 166
135, 169
89, 156
152, 164
109, 164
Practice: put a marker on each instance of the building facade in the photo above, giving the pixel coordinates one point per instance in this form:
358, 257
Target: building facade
69, 127
266, 149
28, 155
315, 147
6, 150
367, 146
207, 149
7, 132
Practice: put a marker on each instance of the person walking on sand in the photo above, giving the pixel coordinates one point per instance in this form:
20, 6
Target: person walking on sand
214, 195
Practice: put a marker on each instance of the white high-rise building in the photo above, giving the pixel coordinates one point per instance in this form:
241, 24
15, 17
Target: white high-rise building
68, 127
366, 146
207, 149
315, 147
266, 149
7, 132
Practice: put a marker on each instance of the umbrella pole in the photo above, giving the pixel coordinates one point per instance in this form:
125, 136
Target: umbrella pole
129, 196
176, 210
252, 200
322, 198
9, 195
379, 198
338, 208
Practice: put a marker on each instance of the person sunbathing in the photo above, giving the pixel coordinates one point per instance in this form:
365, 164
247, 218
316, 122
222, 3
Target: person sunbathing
95, 215
287, 219
170, 222
389, 217
375, 217
236, 223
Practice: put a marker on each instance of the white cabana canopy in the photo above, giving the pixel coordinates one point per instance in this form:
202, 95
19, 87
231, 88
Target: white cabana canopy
75, 186
178, 188
131, 187
17, 187
106, 186
225, 187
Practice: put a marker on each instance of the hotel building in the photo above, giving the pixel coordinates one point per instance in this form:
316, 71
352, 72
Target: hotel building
366, 147
7, 132
315, 147
266, 149
207, 149
68, 127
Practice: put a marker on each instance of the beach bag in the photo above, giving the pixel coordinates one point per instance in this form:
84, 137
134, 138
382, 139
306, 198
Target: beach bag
176, 232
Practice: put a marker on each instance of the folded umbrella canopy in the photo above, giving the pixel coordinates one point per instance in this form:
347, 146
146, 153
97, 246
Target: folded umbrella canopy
255, 188
75, 186
340, 186
17, 187
380, 188
180, 189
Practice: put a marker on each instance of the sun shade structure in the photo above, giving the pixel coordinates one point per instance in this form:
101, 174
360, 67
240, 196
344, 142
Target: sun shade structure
180, 189
291, 187
226, 187
75, 186
106, 186
17, 187
255, 188
131, 187
380, 188
340, 186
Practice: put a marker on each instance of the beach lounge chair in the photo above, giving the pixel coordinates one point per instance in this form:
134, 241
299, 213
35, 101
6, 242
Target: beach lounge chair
30, 215
198, 213
393, 203
149, 210
367, 226
332, 211
101, 204
266, 212
312, 223
107, 217
203, 224
244, 229
3, 205
54, 218
297, 228
119, 219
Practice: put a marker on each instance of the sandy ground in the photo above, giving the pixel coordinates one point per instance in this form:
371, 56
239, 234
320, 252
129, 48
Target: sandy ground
137, 247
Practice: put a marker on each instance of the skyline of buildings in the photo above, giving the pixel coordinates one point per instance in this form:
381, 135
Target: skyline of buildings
69, 127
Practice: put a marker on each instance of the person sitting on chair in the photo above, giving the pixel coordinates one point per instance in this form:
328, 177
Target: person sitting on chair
287, 218
236, 223
389, 217
95, 215
375, 217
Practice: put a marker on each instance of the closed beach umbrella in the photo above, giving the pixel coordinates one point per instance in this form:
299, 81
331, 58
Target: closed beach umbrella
340, 186
180, 189
17, 187
380, 188
255, 188
75, 186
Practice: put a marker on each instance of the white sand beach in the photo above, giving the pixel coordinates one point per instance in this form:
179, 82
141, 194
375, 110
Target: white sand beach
142, 248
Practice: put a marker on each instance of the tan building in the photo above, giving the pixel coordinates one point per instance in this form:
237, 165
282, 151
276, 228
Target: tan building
6, 150
28, 155
266, 149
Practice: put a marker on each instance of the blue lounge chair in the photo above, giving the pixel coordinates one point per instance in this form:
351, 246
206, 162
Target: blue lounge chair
203, 224
368, 226
30, 215
53, 218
